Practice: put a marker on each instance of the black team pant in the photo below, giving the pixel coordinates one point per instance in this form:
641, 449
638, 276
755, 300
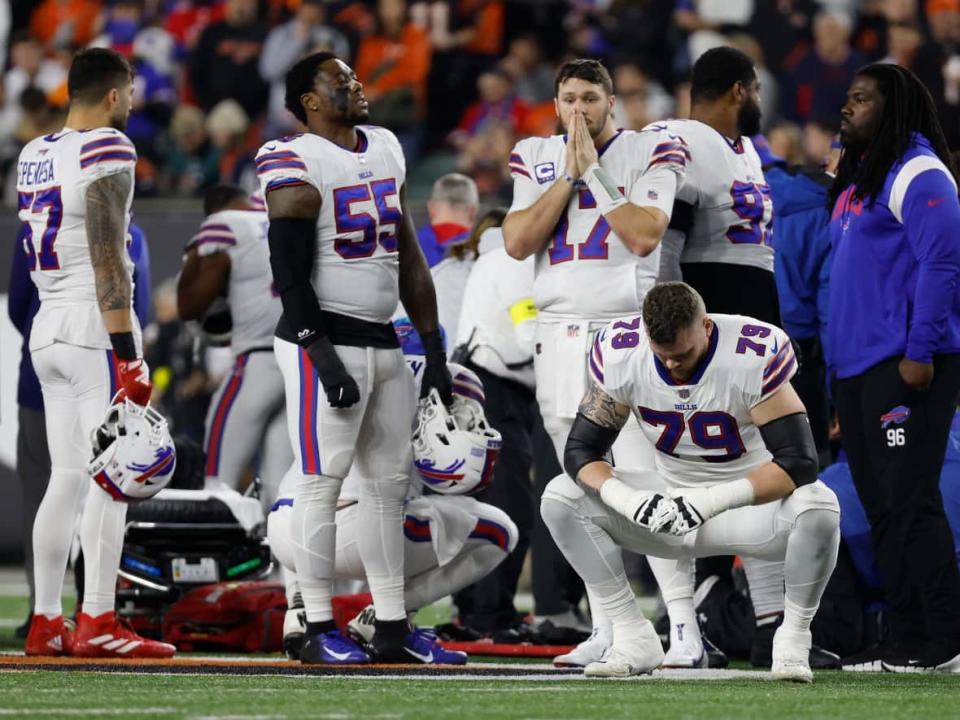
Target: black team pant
895, 440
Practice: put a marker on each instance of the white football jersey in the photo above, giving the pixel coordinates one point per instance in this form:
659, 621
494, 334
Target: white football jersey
585, 271
53, 174
254, 305
732, 207
702, 430
357, 266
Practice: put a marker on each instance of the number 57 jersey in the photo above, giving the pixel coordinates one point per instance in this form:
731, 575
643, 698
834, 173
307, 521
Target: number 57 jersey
702, 429
356, 266
53, 174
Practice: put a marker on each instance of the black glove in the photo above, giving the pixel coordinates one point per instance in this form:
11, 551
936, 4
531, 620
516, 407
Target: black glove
436, 374
341, 389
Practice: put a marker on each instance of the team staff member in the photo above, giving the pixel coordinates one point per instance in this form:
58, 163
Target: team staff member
894, 344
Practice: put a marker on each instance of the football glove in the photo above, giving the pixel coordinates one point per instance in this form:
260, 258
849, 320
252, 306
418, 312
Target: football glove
435, 373
341, 389
651, 510
134, 380
697, 505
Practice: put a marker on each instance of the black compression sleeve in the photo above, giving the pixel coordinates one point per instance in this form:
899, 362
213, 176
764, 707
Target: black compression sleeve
790, 441
292, 246
586, 443
681, 219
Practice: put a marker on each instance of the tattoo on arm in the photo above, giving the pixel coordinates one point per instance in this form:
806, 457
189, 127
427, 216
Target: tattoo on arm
105, 222
603, 409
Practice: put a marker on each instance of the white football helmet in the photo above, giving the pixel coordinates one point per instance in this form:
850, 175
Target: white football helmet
454, 449
133, 453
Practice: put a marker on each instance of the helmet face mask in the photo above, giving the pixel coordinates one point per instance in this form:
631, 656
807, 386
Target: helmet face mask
133, 453
454, 449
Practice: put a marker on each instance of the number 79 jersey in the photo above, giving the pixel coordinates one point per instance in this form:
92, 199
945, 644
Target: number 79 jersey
702, 430
356, 267
53, 174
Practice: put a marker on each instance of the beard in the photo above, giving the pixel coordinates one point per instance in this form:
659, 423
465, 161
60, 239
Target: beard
748, 120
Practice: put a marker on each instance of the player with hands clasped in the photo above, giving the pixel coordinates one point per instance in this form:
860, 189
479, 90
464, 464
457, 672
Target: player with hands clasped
736, 469
75, 190
342, 251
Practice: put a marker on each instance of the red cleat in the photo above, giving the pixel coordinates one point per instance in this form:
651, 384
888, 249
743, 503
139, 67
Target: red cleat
105, 636
50, 638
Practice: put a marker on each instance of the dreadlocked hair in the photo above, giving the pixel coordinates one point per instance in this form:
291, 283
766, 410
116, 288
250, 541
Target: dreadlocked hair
908, 108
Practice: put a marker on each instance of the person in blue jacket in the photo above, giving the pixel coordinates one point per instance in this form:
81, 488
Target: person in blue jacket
893, 338
33, 457
801, 270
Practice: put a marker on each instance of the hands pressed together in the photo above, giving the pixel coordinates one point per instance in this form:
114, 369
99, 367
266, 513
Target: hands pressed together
581, 152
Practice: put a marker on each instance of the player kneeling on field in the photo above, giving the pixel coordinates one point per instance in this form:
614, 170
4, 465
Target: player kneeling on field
736, 469
450, 539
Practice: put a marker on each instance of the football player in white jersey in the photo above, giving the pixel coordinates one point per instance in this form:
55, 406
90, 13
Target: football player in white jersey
591, 206
721, 233
229, 258
342, 250
736, 469
75, 189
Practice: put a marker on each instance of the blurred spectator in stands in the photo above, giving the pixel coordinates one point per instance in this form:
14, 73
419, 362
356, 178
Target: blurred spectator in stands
642, 31
786, 141
497, 104
681, 99
485, 157
66, 23
185, 20
937, 63
393, 63
124, 19
904, 39
707, 21
154, 99
816, 84
28, 67
192, 163
640, 100
156, 46
6, 21
818, 136
227, 126
224, 63
781, 27
532, 77
38, 116
452, 209
306, 33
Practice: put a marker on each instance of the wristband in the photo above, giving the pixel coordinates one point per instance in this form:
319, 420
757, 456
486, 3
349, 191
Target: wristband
433, 347
570, 179
619, 496
730, 495
603, 189
123, 346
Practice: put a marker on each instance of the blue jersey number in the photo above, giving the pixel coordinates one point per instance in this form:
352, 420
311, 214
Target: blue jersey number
708, 430
48, 201
347, 221
748, 204
594, 247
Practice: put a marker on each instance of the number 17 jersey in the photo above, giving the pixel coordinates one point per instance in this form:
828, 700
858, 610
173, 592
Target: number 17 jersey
356, 266
702, 429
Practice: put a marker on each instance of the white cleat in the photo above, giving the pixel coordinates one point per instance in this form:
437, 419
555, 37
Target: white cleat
642, 655
791, 656
686, 656
591, 650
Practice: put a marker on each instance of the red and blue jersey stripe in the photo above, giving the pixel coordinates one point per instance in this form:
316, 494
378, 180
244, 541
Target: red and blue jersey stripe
279, 160
492, 532
596, 358
778, 370
518, 166
416, 529
219, 424
210, 233
309, 396
113, 148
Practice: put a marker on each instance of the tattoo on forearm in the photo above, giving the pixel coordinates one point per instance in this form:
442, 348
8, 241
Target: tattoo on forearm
603, 409
105, 222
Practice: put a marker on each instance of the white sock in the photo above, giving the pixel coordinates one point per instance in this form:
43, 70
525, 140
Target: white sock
380, 542
291, 587
675, 578
765, 579
101, 539
53, 531
811, 556
597, 615
314, 542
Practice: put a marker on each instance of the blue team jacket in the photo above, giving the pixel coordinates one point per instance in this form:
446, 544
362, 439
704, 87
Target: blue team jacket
894, 289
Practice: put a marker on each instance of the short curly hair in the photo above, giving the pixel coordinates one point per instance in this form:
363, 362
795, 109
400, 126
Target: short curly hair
587, 69
669, 308
300, 81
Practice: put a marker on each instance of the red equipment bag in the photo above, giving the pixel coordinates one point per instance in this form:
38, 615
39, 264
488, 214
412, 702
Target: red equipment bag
239, 616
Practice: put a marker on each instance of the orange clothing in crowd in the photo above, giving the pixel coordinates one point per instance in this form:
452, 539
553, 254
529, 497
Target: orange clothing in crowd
488, 22
52, 15
385, 64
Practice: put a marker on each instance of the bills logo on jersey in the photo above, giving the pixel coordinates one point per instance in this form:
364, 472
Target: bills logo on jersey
545, 172
898, 416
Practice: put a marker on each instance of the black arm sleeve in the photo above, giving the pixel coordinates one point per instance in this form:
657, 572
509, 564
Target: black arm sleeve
790, 441
586, 443
292, 246
681, 219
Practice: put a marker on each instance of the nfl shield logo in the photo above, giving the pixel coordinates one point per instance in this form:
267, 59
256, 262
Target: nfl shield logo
573, 331
684, 394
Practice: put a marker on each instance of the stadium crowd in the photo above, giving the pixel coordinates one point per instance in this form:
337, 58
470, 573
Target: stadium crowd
469, 76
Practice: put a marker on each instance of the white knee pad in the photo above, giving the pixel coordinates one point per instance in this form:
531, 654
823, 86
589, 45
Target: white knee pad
815, 496
278, 536
560, 502
391, 487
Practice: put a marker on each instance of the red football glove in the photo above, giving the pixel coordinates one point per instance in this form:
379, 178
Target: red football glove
134, 381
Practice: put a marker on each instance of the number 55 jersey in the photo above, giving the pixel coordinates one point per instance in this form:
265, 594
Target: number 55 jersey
53, 174
702, 429
356, 267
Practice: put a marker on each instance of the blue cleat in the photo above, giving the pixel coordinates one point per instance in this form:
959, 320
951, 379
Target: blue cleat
331, 648
424, 646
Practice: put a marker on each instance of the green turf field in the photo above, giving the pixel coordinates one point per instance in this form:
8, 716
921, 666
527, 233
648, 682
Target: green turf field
96, 695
